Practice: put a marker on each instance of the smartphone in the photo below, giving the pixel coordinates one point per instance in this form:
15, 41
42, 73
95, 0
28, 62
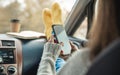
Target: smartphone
61, 37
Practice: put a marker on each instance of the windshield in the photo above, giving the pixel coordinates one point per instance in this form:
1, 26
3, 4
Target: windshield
29, 12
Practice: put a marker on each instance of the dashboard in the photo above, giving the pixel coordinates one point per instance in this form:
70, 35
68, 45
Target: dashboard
22, 56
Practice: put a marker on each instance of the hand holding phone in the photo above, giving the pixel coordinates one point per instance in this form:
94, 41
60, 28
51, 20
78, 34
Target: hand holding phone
61, 37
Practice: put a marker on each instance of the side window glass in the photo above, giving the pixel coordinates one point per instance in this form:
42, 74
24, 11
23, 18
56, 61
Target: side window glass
82, 30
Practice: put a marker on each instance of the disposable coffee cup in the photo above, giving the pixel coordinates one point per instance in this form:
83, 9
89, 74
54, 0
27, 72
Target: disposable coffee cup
15, 25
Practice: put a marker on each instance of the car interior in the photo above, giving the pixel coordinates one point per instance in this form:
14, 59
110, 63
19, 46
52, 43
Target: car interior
22, 56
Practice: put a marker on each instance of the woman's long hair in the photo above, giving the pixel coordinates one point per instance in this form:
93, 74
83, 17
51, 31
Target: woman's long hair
105, 27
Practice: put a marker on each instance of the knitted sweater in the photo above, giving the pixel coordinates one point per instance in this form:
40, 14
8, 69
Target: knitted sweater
77, 64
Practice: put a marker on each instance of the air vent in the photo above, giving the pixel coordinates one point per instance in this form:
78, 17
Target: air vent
8, 43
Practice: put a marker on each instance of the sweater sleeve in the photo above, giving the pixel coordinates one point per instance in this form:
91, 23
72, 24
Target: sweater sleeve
50, 54
77, 64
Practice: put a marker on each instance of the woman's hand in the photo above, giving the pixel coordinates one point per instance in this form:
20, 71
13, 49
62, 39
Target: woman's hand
52, 48
51, 39
73, 47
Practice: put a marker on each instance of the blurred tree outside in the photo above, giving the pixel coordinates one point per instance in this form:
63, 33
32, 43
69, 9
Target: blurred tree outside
29, 12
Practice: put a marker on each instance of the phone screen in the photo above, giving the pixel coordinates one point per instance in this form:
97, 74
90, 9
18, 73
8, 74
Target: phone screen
61, 36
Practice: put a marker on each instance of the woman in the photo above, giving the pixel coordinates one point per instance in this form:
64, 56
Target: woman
105, 29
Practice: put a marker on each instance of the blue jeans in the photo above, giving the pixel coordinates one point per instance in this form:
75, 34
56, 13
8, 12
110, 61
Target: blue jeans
59, 63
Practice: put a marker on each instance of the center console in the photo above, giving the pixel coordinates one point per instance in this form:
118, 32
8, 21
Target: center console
10, 57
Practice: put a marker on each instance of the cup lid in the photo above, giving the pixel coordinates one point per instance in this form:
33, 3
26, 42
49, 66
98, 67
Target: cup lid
15, 20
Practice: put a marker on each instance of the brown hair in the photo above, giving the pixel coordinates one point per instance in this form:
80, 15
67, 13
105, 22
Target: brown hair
105, 26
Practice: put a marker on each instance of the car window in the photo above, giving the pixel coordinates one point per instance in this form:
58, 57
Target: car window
82, 30
29, 12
